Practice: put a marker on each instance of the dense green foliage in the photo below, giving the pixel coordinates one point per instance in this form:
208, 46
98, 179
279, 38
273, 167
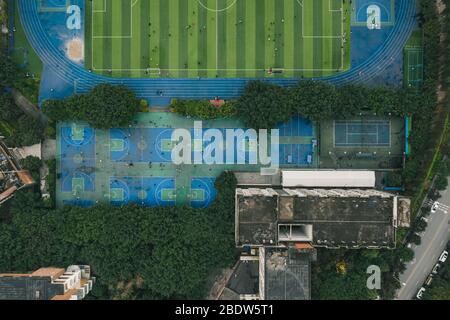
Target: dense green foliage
163, 252
33, 165
8, 70
105, 106
264, 105
51, 180
446, 27
394, 179
421, 133
440, 287
202, 109
351, 285
18, 128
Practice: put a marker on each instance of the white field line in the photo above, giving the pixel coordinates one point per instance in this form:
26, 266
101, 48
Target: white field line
134, 2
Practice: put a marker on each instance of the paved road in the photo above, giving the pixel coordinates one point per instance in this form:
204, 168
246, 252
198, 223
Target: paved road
434, 240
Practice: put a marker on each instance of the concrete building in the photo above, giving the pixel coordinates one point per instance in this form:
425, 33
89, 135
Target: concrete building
278, 227
12, 176
271, 273
74, 283
351, 218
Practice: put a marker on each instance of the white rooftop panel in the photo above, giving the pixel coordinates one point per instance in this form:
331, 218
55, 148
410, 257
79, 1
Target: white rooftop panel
328, 178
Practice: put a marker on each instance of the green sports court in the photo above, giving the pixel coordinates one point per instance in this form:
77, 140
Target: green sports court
413, 60
363, 142
217, 38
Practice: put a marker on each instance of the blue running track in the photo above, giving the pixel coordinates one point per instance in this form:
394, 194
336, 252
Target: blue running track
81, 80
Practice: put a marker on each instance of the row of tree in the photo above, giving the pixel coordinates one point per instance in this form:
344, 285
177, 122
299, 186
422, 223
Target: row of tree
428, 124
135, 252
440, 287
264, 105
105, 106
18, 128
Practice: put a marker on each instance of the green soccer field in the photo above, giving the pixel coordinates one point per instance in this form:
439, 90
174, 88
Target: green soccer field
217, 38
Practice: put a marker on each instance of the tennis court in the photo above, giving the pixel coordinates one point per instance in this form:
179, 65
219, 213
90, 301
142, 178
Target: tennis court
413, 60
360, 133
366, 142
414, 67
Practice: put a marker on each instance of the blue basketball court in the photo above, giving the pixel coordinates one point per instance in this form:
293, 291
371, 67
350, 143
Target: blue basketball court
296, 127
363, 10
147, 191
77, 156
135, 165
203, 192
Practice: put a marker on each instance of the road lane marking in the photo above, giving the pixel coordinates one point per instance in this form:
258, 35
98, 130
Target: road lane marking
423, 256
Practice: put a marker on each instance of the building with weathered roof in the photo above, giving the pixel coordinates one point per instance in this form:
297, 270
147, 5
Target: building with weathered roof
281, 224
351, 218
12, 176
73, 283
271, 273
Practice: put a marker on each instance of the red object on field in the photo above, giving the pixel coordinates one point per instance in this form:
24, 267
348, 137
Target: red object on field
217, 102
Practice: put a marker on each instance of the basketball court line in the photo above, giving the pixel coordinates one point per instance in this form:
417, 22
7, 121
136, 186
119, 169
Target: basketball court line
169, 193
62, 158
417, 53
390, 12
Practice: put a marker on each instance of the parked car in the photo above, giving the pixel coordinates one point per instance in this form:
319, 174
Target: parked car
443, 256
429, 280
436, 268
420, 293
434, 207
424, 219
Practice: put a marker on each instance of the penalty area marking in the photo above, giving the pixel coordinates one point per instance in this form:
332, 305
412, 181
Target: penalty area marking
105, 9
159, 70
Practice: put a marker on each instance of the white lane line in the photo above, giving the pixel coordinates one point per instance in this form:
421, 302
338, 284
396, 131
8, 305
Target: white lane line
423, 257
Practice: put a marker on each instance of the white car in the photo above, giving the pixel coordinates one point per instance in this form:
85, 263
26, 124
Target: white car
443, 256
420, 293
434, 207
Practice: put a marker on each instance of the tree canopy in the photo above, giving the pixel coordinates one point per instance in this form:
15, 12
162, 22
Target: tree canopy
18, 128
329, 284
162, 252
8, 70
265, 105
105, 106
